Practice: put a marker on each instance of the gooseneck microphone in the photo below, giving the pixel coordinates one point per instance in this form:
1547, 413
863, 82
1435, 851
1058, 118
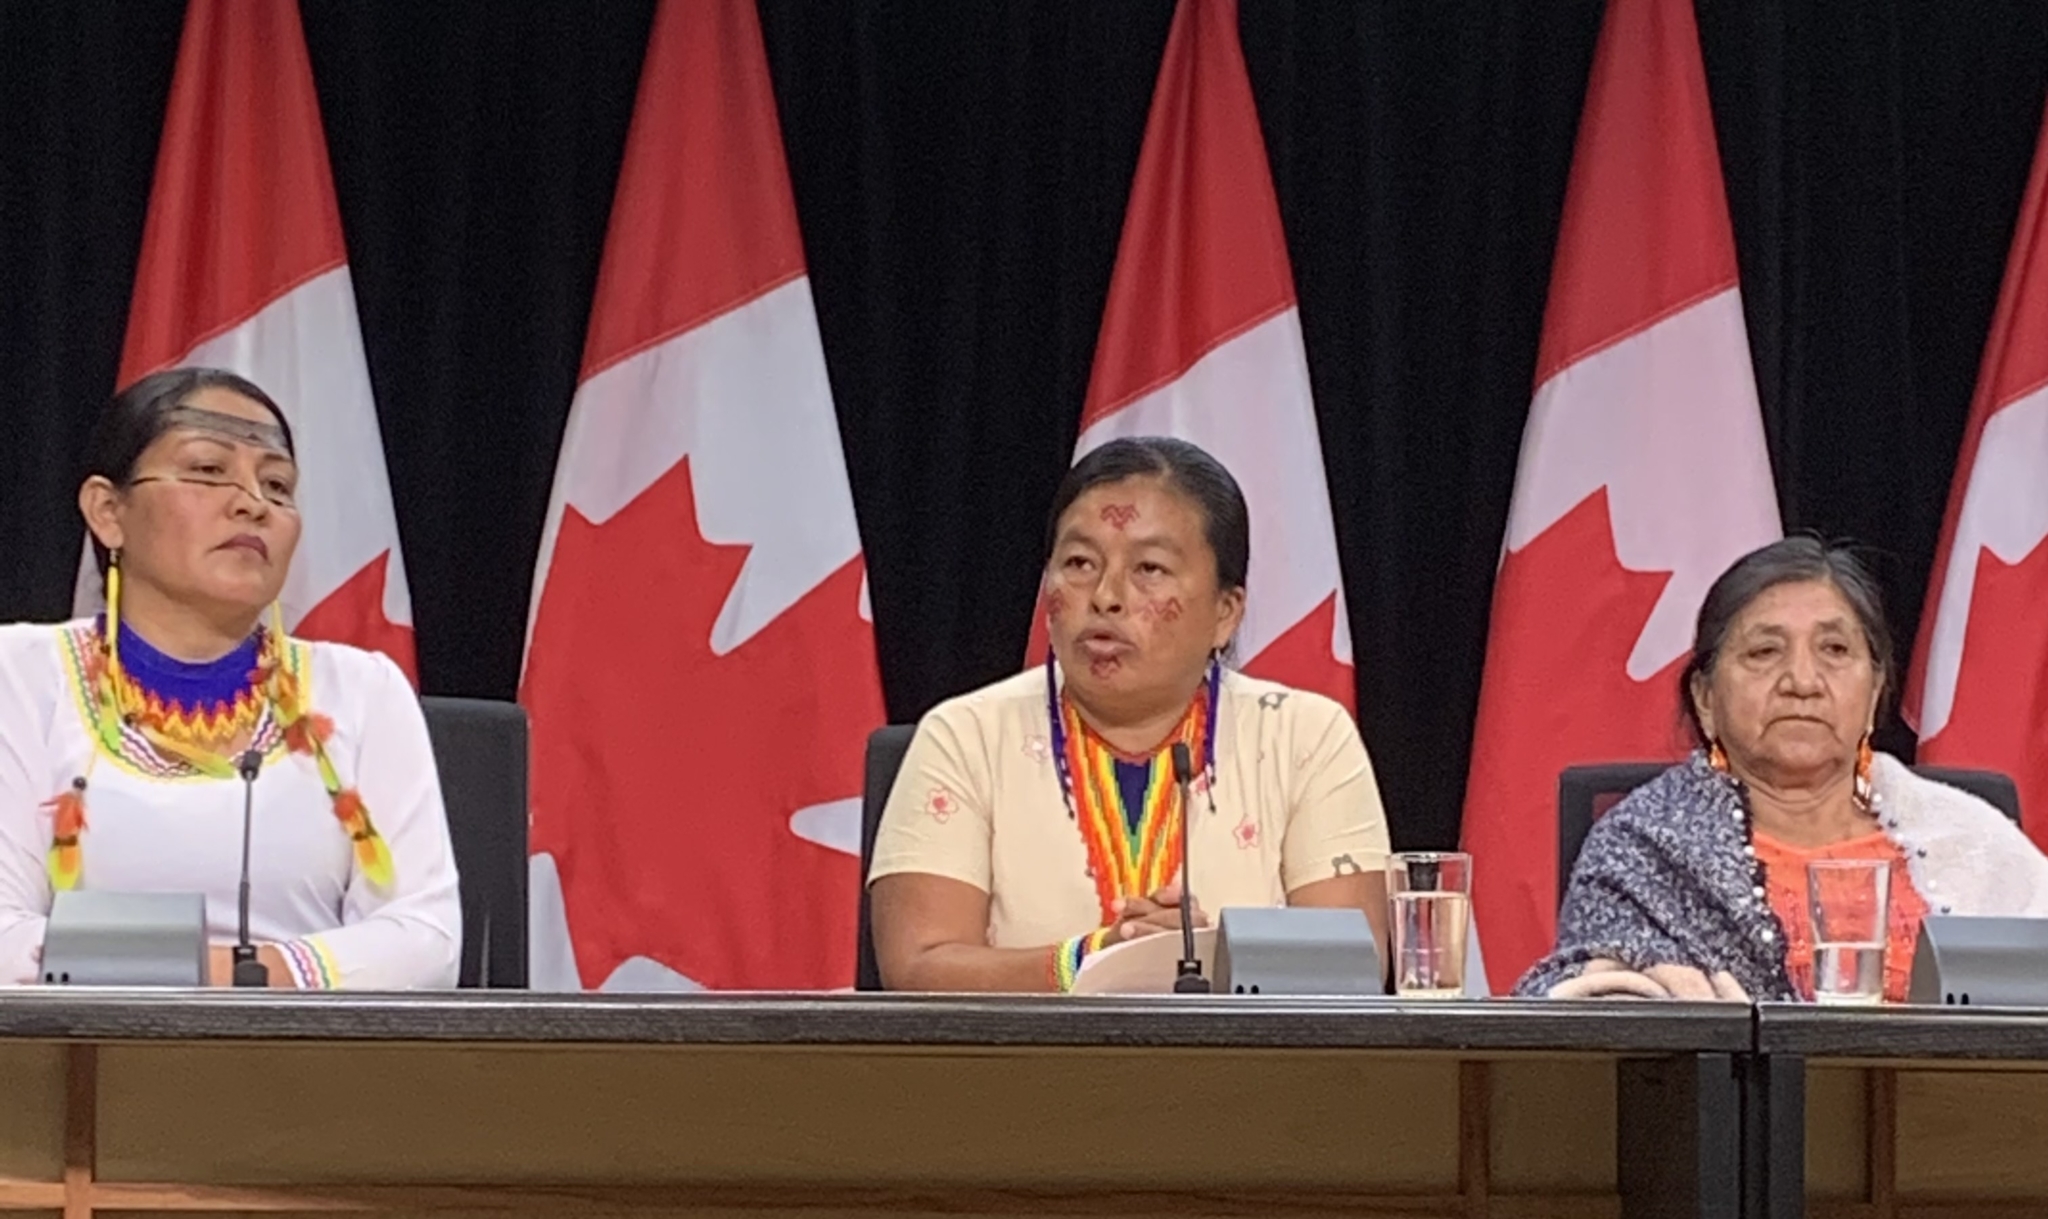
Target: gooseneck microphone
248, 970
1188, 979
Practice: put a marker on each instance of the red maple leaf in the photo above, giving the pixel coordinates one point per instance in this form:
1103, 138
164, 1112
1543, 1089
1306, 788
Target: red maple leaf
354, 613
1566, 615
664, 776
1999, 720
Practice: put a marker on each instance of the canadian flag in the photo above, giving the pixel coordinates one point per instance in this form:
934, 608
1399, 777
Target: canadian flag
1201, 340
243, 268
1978, 691
700, 667
1643, 471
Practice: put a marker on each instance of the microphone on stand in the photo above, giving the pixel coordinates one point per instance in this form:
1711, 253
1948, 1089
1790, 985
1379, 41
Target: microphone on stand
248, 970
1188, 979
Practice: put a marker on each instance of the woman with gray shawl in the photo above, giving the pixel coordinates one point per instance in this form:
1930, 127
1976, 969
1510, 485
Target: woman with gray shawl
1694, 885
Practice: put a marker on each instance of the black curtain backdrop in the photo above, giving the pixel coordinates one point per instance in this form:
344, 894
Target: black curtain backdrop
961, 172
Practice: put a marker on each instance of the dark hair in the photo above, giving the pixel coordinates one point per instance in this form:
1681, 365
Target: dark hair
1794, 560
135, 418
1226, 522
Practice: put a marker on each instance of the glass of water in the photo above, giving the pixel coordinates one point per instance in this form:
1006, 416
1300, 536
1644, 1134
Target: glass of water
1429, 899
1850, 900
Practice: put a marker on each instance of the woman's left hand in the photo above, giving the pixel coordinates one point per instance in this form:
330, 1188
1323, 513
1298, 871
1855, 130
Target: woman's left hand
1685, 982
1603, 977
1137, 916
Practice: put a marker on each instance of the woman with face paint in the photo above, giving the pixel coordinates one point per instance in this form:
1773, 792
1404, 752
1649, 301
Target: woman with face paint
121, 735
1037, 819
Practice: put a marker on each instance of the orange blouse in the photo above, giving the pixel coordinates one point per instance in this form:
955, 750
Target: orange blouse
1785, 882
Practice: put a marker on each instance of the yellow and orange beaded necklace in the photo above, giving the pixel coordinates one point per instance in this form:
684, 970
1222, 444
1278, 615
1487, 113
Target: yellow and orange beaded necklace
193, 725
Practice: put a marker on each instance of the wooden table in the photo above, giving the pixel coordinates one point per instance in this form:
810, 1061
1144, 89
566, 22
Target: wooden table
770, 1106
1927, 1112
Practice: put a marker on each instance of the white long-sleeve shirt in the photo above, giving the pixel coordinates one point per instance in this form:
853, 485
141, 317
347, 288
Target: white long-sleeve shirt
149, 829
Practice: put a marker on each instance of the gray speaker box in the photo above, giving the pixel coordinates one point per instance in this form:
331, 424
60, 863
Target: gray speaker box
1296, 950
125, 939
1981, 962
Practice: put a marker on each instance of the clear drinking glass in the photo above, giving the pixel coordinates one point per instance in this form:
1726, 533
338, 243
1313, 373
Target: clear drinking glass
1429, 899
1850, 900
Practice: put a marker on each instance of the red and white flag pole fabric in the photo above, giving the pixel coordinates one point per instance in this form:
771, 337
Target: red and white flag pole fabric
1643, 473
1201, 340
243, 268
700, 666
1978, 691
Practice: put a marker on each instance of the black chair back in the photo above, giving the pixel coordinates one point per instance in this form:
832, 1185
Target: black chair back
480, 750
886, 747
1584, 793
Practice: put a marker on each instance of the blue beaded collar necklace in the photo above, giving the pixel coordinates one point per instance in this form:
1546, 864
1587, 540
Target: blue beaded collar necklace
195, 687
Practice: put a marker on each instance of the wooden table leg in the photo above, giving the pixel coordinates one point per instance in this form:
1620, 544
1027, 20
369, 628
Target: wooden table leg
1475, 1137
81, 1128
1881, 1126
1678, 1139
1773, 1136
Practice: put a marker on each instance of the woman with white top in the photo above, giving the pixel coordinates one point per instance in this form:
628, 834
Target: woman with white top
120, 735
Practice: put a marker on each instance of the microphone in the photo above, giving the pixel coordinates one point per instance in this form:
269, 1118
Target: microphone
248, 970
1188, 979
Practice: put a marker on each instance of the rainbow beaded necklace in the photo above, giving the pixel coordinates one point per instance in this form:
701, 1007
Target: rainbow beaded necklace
1132, 851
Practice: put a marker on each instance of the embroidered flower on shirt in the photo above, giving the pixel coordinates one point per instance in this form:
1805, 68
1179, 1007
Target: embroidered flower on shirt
941, 805
1247, 834
1271, 700
1036, 748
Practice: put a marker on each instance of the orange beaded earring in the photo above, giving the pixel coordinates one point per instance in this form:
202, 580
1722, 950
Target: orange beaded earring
1865, 759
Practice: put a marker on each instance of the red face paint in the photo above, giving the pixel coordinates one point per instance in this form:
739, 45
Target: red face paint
1055, 604
1162, 611
1119, 515
1103, 667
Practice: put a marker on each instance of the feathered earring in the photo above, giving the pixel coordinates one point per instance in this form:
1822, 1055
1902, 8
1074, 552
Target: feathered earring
111, 643
103, 670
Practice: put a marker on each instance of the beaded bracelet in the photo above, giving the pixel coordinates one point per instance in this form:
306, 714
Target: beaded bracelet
1067, 956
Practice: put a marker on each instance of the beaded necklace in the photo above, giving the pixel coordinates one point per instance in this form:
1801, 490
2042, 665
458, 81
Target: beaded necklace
190, 707
1129, 855
186, 712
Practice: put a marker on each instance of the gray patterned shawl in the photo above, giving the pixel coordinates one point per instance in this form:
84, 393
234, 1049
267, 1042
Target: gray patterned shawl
1667, 877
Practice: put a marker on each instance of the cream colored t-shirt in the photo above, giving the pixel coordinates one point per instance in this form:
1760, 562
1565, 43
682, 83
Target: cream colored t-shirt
978, 800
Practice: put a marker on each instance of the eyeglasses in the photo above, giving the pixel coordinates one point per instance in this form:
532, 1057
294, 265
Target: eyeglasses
277, 497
